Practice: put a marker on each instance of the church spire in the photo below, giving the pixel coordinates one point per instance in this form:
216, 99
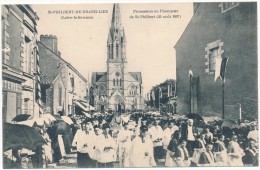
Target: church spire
116, 18
116, 42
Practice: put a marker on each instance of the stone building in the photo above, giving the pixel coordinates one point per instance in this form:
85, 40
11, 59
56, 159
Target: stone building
117, 88
20, 62
224, 30
52, 64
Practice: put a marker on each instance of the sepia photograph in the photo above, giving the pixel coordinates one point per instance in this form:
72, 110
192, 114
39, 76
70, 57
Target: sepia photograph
129, 84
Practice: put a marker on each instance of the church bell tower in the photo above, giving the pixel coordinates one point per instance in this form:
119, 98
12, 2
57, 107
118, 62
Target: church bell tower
116, 60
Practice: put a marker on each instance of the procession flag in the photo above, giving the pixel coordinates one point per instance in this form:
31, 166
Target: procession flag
190, 73
217, 67
168, 90
223, 68
175, 89
160, 92
171, 89
153, 95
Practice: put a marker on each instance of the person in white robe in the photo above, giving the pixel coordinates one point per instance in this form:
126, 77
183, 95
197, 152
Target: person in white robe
83, 141
235, 153
157, 136
141, 153
168, 132
105, 147
124, 138
253, 134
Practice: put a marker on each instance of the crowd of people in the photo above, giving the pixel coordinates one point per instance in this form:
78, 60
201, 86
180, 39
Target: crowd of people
143, 140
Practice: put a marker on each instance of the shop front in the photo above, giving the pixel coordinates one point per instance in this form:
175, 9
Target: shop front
11, 97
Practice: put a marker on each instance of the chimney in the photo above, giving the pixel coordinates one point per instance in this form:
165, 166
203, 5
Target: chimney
51, 42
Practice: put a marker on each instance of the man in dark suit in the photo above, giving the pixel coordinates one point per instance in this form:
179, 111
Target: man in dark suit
190, 132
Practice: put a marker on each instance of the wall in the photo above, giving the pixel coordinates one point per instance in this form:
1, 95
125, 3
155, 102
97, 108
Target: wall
237, 30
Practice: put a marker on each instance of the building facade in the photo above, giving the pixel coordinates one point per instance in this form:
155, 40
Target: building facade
20, 62
117, 88
52, 64
217, 31
53, 93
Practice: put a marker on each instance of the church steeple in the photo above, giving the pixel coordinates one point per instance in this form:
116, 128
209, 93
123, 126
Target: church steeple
116, 17
116, 42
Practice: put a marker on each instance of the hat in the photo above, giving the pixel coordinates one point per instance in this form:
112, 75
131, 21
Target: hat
86, 121
24, 152
105, 125
143, 128
96, 126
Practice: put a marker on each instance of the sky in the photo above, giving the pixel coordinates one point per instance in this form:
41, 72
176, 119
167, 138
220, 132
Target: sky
150, 41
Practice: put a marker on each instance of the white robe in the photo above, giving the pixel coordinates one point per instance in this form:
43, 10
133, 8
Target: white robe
83, 141
141, 154
167, 135
156, 133
125, 143
235, 154
105, 155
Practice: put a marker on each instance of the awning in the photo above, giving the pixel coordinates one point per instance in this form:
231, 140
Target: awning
84, 106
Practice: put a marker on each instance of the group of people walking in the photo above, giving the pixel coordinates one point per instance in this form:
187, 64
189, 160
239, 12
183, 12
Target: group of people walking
139, 140
147, 143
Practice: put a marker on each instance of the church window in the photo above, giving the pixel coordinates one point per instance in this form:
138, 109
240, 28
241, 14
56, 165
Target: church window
60, 95
120, 82
116, 50
110, 51
114, 82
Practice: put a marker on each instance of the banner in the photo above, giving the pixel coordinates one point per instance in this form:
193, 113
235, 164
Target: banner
160, 92
223, 68
217, 67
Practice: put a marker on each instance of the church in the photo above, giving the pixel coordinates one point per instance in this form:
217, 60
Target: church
117, 88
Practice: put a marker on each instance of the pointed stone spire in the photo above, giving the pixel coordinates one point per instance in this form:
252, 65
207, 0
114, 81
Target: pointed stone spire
116, 42
116, 18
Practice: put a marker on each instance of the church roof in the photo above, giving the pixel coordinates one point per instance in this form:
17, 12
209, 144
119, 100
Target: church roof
98, 76
48, 78
136, 75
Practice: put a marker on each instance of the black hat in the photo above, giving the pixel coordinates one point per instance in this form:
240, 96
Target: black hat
143, 128
106, 125
96, 126
87, 121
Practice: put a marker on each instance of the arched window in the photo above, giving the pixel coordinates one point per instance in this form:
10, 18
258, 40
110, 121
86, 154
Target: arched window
120, 82
116, 50
60, 95
110, 51
114, 82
